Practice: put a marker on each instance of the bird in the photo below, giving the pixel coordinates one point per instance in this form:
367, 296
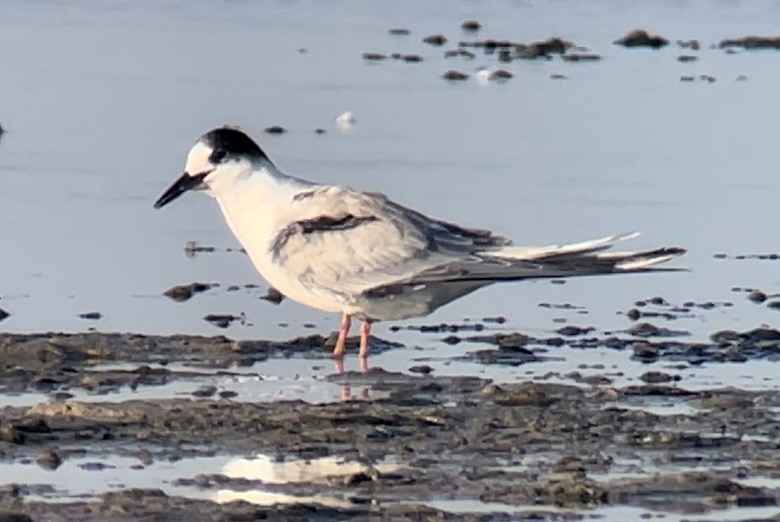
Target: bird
361, 254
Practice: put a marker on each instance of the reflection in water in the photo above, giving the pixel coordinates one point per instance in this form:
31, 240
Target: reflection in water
314, 471
346, 389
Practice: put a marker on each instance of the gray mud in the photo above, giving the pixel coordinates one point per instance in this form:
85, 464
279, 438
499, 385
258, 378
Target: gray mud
570, 448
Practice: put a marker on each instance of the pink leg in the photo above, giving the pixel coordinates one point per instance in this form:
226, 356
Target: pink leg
341, 343
365, 335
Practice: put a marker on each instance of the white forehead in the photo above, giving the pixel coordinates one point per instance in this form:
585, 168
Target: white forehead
198, 158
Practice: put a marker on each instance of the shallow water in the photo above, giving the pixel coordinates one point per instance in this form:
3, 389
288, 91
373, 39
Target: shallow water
102, 108
102, 100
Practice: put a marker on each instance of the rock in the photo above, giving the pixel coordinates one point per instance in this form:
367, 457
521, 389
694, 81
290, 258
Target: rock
10, 434
581, 57
275, 129
205, 391
471, 26
399, 31
191, 249
436, 40
273, 295
92, 316
500, 75
96, 466
641, 38
757, 296
752, 42
412, 58
542, 49
656, 377
460, 53
4, 314
6, 516
221, 320
50, 460
182, 293
572, 331
646, 352
423, 369
689, 44
374, 57
687, 58
650, 330
455, 76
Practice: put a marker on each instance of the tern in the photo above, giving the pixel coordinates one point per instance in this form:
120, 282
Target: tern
363, 255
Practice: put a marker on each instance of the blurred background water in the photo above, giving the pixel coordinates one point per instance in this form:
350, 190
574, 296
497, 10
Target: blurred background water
102, 100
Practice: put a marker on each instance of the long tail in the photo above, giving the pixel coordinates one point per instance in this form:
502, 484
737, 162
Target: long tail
585, 258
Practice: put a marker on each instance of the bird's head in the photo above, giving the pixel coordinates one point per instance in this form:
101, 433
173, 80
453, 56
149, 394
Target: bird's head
217, 160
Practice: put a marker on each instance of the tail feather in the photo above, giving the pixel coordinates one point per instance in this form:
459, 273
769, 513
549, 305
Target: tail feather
551, 251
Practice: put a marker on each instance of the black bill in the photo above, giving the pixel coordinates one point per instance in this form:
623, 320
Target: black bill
180, 186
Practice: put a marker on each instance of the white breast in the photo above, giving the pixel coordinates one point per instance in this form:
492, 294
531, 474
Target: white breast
254, 214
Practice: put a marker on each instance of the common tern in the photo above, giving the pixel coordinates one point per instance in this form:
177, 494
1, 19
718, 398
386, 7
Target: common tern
363, 255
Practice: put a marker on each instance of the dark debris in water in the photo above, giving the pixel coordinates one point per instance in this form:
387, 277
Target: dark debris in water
436, 40
471, 26
752, 42
192, 248
641, 38
399, 31
455, 76
741, 257
224, 320
181, 293
91, 316
273, 296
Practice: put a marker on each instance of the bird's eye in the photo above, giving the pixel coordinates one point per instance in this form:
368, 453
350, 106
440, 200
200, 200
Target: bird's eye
217, 155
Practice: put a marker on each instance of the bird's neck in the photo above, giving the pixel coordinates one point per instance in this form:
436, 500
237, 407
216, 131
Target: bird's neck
254, 201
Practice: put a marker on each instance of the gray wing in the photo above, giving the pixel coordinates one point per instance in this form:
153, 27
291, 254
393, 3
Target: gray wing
348, 242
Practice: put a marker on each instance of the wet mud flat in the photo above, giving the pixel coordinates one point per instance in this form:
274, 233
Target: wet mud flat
417, 446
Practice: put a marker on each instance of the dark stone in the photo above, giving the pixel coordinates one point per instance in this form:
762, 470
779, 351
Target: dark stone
752, 42
205, 391
471, 26
221, 320
500, 75
656, 377
581, 57
50, 460
273, 295
275, 129
460, 53
435, 39
182, 293
374, 57
641, 38
455, 76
